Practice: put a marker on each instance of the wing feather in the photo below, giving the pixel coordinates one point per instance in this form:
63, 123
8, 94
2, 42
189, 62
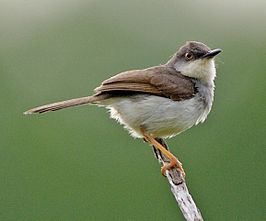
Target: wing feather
160, 80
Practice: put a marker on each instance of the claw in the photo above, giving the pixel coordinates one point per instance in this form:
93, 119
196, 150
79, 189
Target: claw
174, 163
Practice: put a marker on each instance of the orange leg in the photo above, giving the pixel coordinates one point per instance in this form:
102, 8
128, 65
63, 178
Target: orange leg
174, 162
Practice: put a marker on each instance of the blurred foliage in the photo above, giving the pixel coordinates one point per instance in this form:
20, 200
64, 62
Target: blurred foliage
77, 164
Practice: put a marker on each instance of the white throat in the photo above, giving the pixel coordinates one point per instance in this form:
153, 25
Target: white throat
201, 69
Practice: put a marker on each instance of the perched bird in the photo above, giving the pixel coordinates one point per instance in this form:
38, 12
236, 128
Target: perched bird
158, 102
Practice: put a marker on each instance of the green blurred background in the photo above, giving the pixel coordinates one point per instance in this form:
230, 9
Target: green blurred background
77, 164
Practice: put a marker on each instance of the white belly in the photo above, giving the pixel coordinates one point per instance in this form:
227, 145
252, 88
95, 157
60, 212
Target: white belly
159, 116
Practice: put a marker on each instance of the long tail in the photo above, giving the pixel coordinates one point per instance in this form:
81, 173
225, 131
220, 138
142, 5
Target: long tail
61, 105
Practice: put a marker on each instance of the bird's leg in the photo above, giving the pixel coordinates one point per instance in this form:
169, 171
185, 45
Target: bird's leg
174, 162
158, 153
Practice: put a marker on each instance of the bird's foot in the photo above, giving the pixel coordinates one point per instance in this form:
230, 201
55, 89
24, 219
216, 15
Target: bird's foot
174, 163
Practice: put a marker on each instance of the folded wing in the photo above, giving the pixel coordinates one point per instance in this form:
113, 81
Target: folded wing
160, 80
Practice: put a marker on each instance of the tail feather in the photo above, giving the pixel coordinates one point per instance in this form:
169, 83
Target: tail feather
61, 105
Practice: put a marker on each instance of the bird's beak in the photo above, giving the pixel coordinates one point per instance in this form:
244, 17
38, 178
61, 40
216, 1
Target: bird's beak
212, 53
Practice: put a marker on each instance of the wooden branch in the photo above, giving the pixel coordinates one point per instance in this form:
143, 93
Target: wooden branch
179, 188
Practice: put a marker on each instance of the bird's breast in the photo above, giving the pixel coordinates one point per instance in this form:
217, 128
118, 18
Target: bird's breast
160, 116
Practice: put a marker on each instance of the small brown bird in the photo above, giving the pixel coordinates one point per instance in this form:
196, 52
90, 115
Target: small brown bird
158, 102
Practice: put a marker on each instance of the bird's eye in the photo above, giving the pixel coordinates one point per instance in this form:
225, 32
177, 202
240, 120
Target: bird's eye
188, 56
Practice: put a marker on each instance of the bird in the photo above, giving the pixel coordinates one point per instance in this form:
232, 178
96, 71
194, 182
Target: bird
158, 102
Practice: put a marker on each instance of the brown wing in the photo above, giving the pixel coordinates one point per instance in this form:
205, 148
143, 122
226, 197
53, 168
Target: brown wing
160, 80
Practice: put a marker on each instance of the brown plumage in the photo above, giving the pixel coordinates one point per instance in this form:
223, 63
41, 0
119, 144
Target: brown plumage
161, 80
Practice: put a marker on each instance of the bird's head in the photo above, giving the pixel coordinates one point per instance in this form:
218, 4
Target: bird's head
195, 60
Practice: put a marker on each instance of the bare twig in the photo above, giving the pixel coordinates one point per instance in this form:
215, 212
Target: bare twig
179, 188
